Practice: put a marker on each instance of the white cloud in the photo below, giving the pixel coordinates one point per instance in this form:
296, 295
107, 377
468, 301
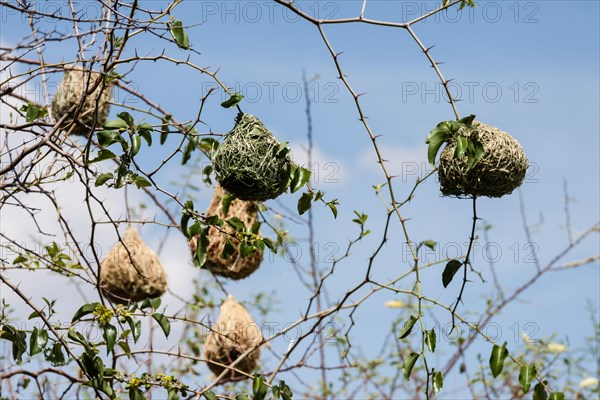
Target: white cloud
326, 170
407, 163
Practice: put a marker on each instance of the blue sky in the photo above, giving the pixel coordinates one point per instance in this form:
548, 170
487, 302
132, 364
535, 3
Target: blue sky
529, 68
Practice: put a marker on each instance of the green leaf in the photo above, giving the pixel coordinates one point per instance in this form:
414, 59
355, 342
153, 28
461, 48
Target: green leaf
136, 143
259, 389
236, 224
103, 154
110, 337
436, 138
37, 341
430, 340
301, 176
409, 363
140, 182
497, 358
557, 396
430, 243
125, 346
304, 202
172, 394
228, 249
234, 100
201, 244
164, 129
106, 138
526, 375
461, 146
118, 123
210, 395
55, 355
451, 269
136, 328
270, 244
333, 209
539, 392
179, 35
438, 381
478, 152
136, 394
83, 311
151, 303
164, 323
125, 116
467, 120
226, 202
101, 180
407, 327
33, 111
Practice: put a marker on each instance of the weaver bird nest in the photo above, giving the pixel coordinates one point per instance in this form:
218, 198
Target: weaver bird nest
132, 272
234, 333
235, 266
250, 162
500, 170
76, 84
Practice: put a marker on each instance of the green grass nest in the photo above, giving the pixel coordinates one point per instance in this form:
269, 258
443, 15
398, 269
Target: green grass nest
250, 162
501, 169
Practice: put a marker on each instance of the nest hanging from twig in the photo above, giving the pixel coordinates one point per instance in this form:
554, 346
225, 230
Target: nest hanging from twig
501, 169
76, 83
234, 333
123, 281
250, 162
235, 266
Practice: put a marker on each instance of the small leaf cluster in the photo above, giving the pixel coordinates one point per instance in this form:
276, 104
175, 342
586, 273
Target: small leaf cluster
259, 391
125, 132
249, 240
451, 131
34, 111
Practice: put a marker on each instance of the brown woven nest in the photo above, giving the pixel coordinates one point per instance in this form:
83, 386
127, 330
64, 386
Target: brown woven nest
234, 333
235, 266
76, 82
123, 281
501, 169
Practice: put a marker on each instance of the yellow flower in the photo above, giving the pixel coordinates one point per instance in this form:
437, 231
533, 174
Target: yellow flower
556, 347
394, 304
588, 382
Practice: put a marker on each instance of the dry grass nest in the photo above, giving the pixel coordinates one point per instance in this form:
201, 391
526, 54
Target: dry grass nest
122, 280
76, 82
501, 169
249, 163
235, 266
234, 333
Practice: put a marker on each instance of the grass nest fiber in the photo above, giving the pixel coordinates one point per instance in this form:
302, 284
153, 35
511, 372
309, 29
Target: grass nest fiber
234, 333
250, 163
75, 83
132, 275
501, 169
235, 266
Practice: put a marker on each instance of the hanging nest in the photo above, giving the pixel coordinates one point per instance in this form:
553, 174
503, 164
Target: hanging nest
121, 281
234, 333
235, 266
75, 83
501, 169
250, 162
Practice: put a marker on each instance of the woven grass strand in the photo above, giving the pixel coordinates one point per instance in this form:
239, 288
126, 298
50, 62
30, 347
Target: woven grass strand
121, 281
234, 333
500, 171
75, 83
235, 266
247, 164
